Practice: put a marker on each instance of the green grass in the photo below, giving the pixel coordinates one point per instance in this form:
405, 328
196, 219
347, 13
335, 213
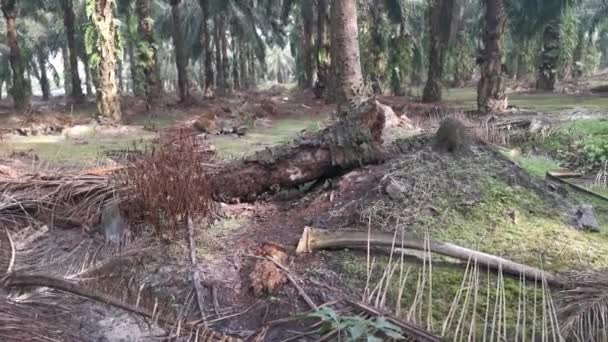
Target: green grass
535, 165
543, 102
258, 138
58, 149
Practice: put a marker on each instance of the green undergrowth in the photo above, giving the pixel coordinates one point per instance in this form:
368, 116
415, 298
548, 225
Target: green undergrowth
581, 144
508, 221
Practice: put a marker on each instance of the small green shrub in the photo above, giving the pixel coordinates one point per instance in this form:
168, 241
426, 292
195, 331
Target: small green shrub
356, 328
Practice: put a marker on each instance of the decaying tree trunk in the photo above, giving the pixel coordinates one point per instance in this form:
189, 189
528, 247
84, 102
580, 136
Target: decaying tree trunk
354, 140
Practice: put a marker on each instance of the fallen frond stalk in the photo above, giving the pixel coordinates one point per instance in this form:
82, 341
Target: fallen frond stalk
313, 239
23, 280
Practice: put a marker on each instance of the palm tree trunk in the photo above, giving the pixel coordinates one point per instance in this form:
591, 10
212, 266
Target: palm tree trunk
236, 77
243, 64
491, 95
19, 91
225, 61
87, 74
441, 21
307, 55
547, 71
322, 43
181, 58
44, 79
218, 55
108, 101
206, 43
349, 80
253, 78
147, 52
67, 74
69, 22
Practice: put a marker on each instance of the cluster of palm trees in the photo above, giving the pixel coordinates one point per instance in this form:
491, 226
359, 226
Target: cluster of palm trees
151, 47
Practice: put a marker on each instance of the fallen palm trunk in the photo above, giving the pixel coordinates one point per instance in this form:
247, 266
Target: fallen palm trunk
354, 140
314, 239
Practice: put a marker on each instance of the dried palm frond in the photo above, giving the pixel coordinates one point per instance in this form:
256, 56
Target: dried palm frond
55, 198
583, 308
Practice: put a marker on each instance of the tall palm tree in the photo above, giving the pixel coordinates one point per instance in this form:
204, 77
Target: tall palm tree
69, 20
147, 51
491, 95
101, 13
442, 18
181, 57
345, 49
20, 87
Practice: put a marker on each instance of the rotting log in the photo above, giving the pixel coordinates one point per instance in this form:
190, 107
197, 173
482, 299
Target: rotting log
314, 239
355, 139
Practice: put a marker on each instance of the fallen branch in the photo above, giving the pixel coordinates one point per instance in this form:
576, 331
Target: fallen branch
301, 291
557, 177
24, 280
313, 239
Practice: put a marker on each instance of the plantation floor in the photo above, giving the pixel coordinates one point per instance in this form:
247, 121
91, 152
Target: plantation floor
480, 200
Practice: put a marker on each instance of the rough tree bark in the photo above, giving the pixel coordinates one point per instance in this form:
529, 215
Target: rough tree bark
147, 52
345, 49
224, 50
252, 71
491, 95
307, 12
441, 24
69, 21
322, 57
44, 78
181, 58
206, 42
108, 101
20, 87
236, 52
220, 81
547, 70
354, 140
243, 64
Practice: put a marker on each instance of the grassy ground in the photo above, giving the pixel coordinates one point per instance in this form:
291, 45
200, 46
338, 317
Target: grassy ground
543, 102
508, 221
258, 138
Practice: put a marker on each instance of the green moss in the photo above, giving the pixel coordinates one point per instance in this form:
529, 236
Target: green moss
508, 221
